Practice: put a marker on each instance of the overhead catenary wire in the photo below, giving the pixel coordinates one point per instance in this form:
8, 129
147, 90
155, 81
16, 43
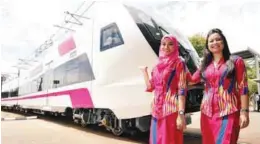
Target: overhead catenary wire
33, 58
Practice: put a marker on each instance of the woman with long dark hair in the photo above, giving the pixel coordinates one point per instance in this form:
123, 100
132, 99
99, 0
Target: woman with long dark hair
224, 107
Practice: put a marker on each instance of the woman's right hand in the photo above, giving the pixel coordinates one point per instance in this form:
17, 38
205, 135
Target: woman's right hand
143, 69
148, 83
181, 122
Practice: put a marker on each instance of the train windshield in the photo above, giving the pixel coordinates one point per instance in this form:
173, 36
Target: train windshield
153, 31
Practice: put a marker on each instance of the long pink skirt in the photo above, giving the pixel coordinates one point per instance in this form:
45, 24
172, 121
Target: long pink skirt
164, 131
223, 130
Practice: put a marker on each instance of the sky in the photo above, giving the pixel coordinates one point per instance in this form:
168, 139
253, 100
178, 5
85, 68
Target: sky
239, 20
26, 24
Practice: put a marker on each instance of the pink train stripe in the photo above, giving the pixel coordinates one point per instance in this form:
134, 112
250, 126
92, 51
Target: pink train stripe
66, 46
79, 97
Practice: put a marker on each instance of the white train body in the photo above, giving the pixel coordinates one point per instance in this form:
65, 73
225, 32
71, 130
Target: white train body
95, 67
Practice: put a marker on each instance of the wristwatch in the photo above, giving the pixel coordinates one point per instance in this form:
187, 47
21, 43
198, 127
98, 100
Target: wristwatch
181, 112
244, 110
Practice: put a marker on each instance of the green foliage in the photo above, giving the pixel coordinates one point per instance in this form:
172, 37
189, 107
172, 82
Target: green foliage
198, 42
252, 86
251, 74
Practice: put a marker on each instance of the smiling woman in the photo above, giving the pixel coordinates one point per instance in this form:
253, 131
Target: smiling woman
215, 43
224, 108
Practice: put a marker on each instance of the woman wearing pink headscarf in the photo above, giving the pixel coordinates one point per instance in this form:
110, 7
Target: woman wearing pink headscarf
168, 82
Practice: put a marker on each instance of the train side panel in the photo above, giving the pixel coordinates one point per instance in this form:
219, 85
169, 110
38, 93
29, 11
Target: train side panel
118, 83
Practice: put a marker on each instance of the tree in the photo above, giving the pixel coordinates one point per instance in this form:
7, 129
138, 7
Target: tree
252, 86
251, 74
198, 41
251, 71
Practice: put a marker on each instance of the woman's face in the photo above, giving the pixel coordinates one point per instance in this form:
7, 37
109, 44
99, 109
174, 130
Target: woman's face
215, 43
167, 46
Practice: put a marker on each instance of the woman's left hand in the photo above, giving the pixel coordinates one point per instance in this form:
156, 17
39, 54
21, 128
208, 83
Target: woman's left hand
181, 123
244, 120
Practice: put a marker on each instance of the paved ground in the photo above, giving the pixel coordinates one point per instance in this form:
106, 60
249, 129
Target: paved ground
10, 115
41, 131
49, 131
249, 135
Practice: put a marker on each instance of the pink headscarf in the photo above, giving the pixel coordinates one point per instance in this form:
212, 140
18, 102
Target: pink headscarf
167, 60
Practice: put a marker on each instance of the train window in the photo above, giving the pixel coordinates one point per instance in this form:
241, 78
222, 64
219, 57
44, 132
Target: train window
72, 72
72, 76
164, 32
14, 92
85, 71
145, 23
4, 94
151, 25
110, 37
59, 74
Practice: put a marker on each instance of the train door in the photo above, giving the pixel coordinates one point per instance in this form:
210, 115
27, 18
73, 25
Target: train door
47, 84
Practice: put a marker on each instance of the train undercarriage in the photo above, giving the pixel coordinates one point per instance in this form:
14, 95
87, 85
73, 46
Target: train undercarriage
100, 117
107, 119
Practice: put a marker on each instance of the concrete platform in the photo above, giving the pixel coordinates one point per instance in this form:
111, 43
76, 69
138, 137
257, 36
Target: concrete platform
249, 135
50, 131
6, 116
38, 131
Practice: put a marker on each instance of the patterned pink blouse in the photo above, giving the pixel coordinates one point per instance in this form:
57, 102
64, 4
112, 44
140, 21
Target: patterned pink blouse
220, 92
168, 84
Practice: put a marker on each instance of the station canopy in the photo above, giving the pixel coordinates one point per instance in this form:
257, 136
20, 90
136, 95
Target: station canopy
246, 54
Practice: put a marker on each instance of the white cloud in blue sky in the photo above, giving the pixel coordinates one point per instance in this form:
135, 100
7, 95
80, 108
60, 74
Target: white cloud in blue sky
26, 24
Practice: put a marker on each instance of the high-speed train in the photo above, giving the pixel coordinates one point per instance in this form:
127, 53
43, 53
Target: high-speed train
92, 74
